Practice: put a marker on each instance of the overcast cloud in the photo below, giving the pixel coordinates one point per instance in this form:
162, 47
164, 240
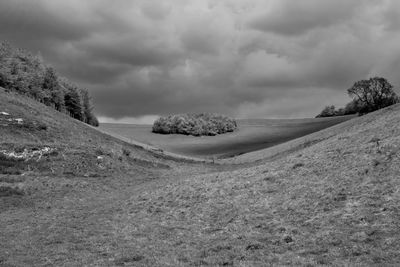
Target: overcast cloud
278, 58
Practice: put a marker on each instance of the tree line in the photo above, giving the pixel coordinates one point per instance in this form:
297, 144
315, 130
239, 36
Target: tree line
27, 74
368, 95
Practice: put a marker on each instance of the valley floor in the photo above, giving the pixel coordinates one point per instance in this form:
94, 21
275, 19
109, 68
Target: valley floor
76, 221
251, 135
97, 201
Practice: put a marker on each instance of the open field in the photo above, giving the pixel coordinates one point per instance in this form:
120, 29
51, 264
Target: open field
251, 135
83, 198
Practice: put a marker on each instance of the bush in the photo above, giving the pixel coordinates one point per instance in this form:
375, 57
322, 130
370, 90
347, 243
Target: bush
194, 124
331, 111
328, 111
353, 107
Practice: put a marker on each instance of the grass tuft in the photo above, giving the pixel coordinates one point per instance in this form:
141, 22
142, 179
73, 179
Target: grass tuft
6, 191
298, 165
128, 259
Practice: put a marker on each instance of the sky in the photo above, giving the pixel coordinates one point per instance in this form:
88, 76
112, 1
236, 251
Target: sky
244, 58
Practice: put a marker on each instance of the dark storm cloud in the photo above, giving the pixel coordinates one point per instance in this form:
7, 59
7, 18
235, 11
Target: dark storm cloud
259, 58
28, 20
289, 17
129, 51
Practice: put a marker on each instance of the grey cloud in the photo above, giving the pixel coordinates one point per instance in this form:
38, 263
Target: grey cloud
165, 100
241, 58
156, 10
202, 36
391, 16
30, 20
94, 73
299, 103
298, 17
130, 51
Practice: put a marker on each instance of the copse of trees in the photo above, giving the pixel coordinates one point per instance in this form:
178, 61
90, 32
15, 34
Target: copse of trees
368, 95
194, 124
330, 111
353, 107
26, 74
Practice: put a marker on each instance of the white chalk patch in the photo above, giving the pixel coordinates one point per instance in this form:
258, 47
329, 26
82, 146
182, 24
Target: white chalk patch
26, 155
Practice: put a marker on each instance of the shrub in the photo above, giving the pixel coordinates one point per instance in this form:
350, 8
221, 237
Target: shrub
194, 124
328, 111
353, 107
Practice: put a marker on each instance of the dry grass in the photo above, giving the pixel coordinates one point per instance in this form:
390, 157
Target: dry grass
331, 202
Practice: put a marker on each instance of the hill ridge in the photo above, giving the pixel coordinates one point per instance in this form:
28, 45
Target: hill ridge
332, 203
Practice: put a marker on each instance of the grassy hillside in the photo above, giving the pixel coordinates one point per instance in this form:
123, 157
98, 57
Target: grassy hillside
92, 200
61, 180
74, 147
332, 202
251, 135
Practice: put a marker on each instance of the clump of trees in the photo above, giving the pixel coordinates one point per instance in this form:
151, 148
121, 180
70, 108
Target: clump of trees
194, 124
368, 95
24, 73
330, 111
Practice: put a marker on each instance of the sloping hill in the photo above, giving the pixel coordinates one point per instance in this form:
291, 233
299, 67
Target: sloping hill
80, 197
333, 202
293, 145
29, 126
61, 181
